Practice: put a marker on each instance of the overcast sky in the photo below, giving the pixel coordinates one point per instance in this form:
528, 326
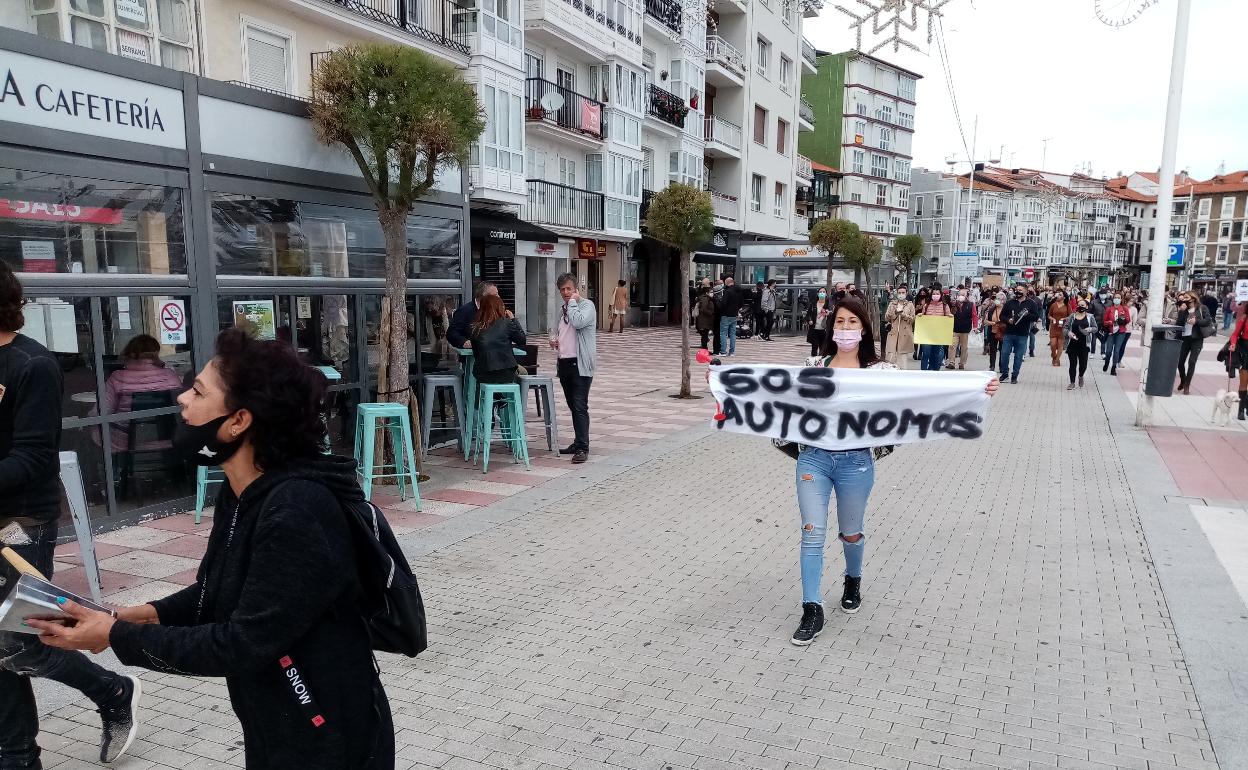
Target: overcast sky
1035, 69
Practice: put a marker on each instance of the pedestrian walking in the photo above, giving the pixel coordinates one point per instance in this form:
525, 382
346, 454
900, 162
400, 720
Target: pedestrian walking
921, 298
619, 306
899, 318
965, 318
1079, 330
1237, 350
30, 435
576, 341
768, 305
1020, 314
849, 473
495, 334
1195, 324
1035, 327
933, 356
1228, 309
817, 322
994, 328
705, 320
1097, 308
1210, 300
717, 294
1058, 312
278, 591
729, 306
1117, 322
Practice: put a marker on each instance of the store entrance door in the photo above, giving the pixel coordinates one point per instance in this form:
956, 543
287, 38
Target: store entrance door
588, 274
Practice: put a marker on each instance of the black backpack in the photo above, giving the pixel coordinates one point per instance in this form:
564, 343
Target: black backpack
390, 600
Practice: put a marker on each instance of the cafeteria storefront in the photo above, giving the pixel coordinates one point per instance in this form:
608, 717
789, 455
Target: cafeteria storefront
138, 201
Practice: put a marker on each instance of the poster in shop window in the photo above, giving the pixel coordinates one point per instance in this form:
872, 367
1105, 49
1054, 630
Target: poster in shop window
256, 317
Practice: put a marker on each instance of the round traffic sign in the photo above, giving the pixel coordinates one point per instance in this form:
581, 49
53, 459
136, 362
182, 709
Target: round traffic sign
1029, 273
172, 317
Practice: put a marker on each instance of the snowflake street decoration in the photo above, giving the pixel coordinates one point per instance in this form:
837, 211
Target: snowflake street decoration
893, 18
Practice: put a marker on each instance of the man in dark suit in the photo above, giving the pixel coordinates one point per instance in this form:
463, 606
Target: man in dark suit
465, 314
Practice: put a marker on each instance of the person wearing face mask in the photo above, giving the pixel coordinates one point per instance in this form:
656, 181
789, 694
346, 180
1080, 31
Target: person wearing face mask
1097, 308
920, 299
278, 590
994, 327
1058, 312
850, 474
1195, 324
900, 318
933, 356
1020, 315
1117, 320
817, 321
965, 318
1080, 327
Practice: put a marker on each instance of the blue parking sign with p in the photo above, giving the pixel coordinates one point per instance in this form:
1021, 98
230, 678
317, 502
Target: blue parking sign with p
1176, 255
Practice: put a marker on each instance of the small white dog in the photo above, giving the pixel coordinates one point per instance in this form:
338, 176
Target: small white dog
1223, 403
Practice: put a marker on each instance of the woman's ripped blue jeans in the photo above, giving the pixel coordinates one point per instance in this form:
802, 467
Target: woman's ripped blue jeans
820, 472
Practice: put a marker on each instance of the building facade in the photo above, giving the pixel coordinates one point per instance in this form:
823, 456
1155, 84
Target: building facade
130, 207
1216, 233
865, 111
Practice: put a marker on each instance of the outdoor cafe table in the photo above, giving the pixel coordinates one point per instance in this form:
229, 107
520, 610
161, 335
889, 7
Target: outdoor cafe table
470, 392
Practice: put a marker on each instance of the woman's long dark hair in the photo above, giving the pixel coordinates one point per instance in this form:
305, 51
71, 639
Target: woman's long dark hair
867, 354
492, 309
943, 298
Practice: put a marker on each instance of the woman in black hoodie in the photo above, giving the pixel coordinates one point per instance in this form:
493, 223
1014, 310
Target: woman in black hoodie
274, 609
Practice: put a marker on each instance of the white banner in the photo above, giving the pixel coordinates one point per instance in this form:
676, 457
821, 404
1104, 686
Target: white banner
850, 408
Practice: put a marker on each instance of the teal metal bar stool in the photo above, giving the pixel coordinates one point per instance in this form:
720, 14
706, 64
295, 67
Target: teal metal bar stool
470, 398
510, 426
203, 477
394, 418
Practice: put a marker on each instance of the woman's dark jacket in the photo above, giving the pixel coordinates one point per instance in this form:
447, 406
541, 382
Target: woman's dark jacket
285, 586
491, 349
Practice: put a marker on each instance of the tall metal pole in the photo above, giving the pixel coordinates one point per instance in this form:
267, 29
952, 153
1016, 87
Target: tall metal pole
1165, 199
970, 195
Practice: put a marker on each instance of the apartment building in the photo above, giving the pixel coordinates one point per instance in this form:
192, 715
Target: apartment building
865, 109
1217, 231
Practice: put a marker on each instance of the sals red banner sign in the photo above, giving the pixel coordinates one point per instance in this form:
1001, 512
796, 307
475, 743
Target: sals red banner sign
57, 212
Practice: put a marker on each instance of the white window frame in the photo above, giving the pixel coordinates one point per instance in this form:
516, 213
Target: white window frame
1200, 255
757, 185
1224, 230
781, 190
1228, 207
63, 14
786, 74
1206, 205
894, 225
762, 56
918, 205
903, 197
270, 29
859, 161
901, 170
881, 195
886, 138
1224, 253
939, 208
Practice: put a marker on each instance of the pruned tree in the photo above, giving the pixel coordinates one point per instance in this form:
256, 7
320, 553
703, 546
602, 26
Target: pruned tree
681, 216
403, 116
907, 249
862, 259
836, 237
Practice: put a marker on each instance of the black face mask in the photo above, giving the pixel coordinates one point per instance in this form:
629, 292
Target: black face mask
1018, 296
199, 445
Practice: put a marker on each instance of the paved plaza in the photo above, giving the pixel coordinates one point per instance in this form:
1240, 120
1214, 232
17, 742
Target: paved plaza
1045, 597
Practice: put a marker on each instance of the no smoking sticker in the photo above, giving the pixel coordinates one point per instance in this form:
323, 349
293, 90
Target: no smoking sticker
172, 318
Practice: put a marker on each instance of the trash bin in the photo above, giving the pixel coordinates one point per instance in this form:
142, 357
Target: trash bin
1163, 360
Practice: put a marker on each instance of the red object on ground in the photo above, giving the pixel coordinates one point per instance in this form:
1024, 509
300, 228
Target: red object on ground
703, 356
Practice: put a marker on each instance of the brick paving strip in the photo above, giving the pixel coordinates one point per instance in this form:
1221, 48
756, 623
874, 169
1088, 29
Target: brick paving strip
635, 612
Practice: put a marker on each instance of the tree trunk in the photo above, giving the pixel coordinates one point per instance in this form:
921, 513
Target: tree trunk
396, 386
685, 392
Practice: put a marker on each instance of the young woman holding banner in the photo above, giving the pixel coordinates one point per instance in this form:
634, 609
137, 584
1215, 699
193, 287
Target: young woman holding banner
850, 473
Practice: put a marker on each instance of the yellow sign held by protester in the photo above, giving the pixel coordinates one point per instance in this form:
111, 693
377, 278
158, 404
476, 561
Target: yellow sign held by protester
933, 330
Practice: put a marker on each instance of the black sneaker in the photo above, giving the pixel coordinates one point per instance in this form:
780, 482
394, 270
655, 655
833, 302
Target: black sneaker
569, 450
120, 722
811, 625
851, 600
1013, 380
581, 456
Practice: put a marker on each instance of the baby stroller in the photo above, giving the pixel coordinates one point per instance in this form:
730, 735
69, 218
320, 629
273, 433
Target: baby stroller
745, 322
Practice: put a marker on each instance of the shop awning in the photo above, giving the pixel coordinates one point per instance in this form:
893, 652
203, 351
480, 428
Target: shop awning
711, 253
500, 225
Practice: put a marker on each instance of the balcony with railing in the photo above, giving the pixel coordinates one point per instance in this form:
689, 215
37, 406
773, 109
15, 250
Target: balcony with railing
805, 170
724, 54
809, 56
669, 13
442, 22
550, 203
801, 225
805, 111
577, 113
666, 106
723, 133
724, 206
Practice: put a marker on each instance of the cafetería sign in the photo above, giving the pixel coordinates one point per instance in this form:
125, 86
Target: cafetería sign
49, 94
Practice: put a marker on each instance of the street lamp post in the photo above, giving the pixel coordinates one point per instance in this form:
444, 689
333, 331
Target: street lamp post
1165, 197
970, 195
